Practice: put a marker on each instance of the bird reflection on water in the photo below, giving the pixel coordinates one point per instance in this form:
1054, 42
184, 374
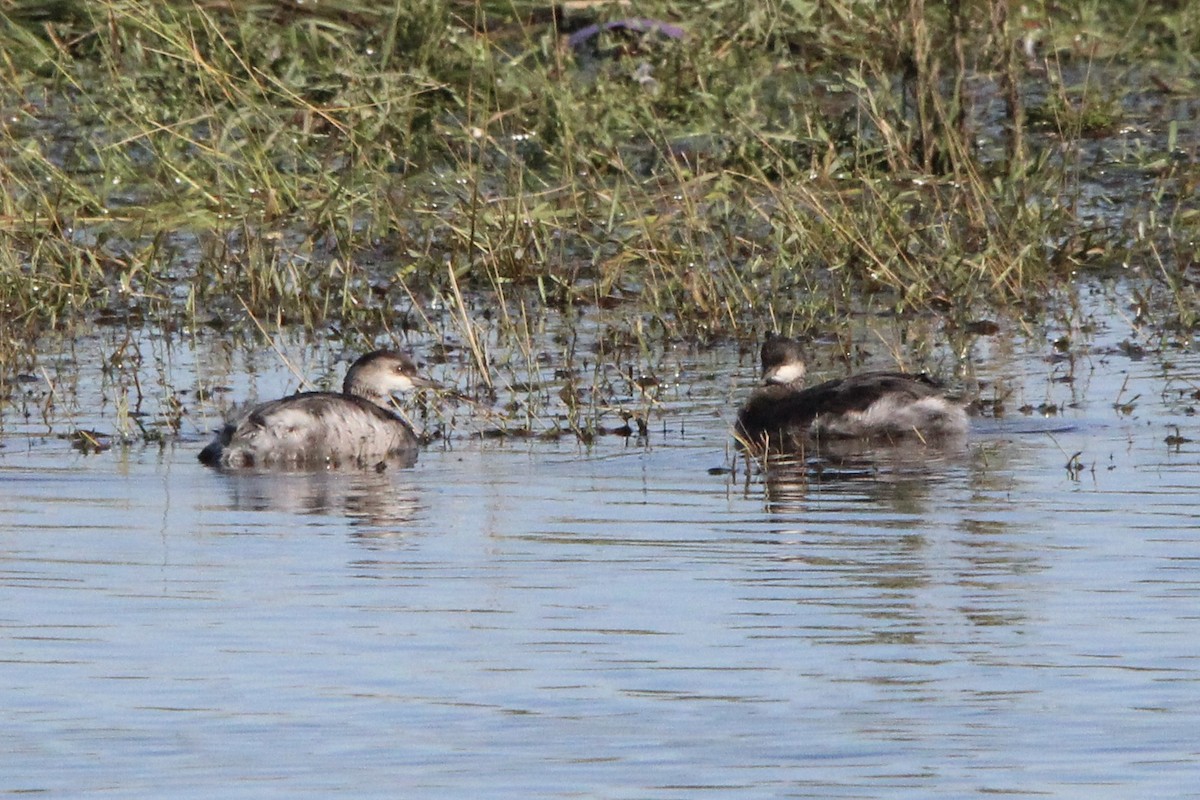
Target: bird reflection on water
375, 501
792, 479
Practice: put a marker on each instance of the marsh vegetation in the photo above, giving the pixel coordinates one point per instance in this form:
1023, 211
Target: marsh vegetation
360, 172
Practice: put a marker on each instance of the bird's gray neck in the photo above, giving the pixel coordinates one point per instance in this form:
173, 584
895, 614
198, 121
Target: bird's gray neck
365, 392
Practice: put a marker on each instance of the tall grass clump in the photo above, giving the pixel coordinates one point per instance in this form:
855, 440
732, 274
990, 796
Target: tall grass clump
729, 167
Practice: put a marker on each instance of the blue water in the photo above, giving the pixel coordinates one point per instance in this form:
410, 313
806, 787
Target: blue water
537, 619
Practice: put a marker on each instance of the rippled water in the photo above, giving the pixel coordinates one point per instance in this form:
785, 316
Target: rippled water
535, 619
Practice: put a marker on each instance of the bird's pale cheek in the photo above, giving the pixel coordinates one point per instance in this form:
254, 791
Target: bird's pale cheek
788, 373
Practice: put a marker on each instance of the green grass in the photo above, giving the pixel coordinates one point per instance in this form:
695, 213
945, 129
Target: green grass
787, 164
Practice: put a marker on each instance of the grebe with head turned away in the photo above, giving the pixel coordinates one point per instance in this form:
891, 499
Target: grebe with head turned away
352, 427
872, 405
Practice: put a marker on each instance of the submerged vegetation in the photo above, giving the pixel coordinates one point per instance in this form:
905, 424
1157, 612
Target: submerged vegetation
704, 171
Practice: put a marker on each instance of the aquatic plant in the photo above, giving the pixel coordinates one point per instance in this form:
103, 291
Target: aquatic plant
702, 172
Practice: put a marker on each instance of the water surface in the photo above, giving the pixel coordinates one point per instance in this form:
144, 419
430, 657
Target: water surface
539, 619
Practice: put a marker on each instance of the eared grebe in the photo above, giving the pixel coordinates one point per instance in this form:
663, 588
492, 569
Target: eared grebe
326, 428
876, 405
